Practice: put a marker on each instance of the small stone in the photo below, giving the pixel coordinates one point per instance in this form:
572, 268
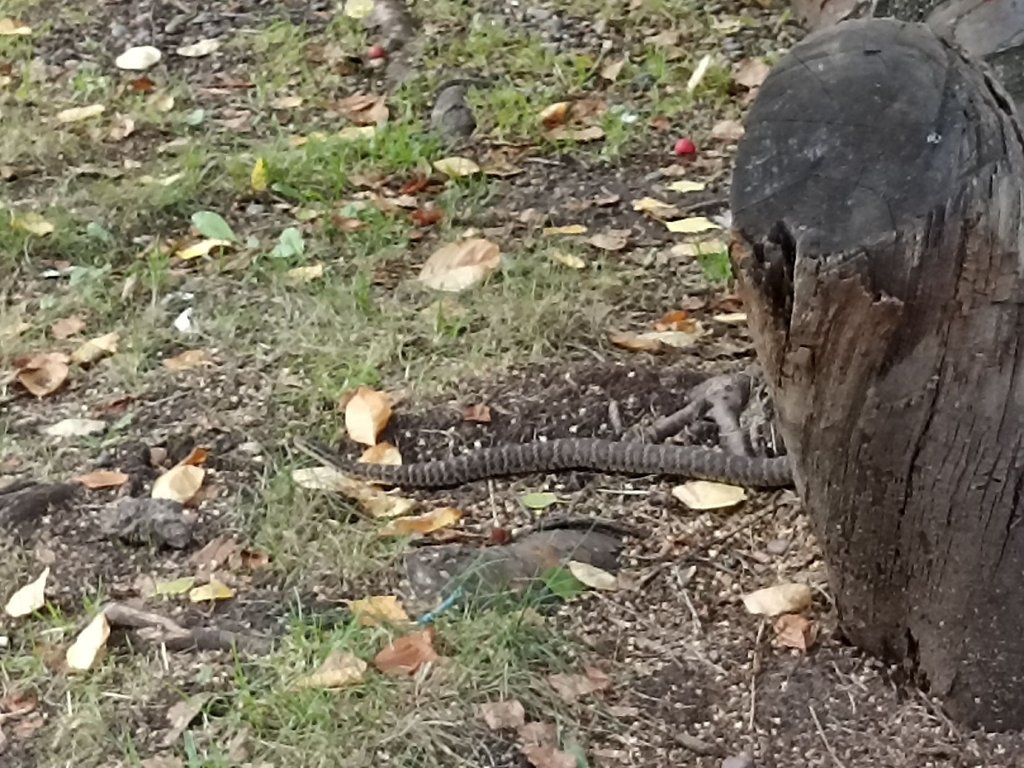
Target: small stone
742, 760
778, 546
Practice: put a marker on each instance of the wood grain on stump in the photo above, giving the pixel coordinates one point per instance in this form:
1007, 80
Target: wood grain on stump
877, 206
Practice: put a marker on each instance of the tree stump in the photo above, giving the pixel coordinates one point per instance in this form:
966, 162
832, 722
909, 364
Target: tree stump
878, 204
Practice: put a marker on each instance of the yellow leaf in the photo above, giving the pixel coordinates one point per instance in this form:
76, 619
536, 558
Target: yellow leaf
684, 185
286, 102
340, 669
428, 522
213, 590
258, 176
97, 348
366, 413
651, 205
592, 576
90, 641
29, 598
568, 259
457, 266
175, 587
358, 9
703, 494
378, 609
356, 132
32, 223
180, 483
779, 599
691, 225
305, 274
453, 167
76, 114
555, 114
569, 229
202, 248
10, 27
382, 453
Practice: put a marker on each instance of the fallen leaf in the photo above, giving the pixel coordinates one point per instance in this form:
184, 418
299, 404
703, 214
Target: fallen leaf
339, 669
10, 28
569, 229
751, 72
692, 225
365, 109
44, 374
655, 207
795, 631
286, 102
635, 342
77, 114
704, 494
190, 358
676, 320
212, 590
502, 714
612, 240
563, 133
366, 413
258, 175
142, 85
75, 427
460, 265
549, 757
538, 500
174, 587
782, 598
407, 653
570, 688
102, 478
478, 412
727, 130
698, 73
181, 714
698, 249
122, 127
196, 457
180, 483
592, 576
611, 70
731, 318
200, 48
95, 349
357, 132
90, 641
29, 598
377, 610
371, 499
382, 453
161, 102
139, 58
686, 186
428, 522
555, 114
202, 248
211, 224
33, 223
304, 274
425, 217
455, 167
358, 9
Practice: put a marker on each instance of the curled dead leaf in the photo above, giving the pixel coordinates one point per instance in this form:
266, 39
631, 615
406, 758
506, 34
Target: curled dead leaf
180, 483
554, 114
77, 114
795, 631
428, 522
67, 327
102, 478
377, 610
339, 670
592, 576
751, 72
97, 348
211, 591
478, 412
455, 167
190, 358
407, 653
28, 598
704, 494
44, 373
502, 714
572, 687
83, 652
779, 599
367, 412
460, 265
371, 499
382, 453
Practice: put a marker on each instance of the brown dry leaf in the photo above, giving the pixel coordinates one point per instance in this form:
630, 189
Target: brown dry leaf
67, 327
286, 102
478, 412
102, 478
365, 109
377, 610
43, 374
592, 576
656, 341
704, 494
180, 483
371, 500
407, 653
340, 669
589, 133
502, 714
382, 453
751, 72
11, 28
676, 320
612, 240
190, 358
572, 687
28, 598
96, 348
548, 757
455, 167
795, 631
568, 229
77, 114
635, 342
554, 115
779, 599
214, 553
196, 457
87, 646
612, 69
460, 265
366, 413
428, 522
122, 127
212, 590
727, 130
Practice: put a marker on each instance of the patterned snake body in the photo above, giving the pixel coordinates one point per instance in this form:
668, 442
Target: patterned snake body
580, 453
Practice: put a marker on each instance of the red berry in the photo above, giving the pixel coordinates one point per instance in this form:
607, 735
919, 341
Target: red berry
377, 51
685, 148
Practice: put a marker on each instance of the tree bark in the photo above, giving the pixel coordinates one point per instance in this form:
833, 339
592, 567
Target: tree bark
878, 204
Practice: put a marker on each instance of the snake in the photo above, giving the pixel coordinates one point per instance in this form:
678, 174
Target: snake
613, 456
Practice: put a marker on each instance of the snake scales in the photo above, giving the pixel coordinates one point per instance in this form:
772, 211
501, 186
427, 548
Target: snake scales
571, 453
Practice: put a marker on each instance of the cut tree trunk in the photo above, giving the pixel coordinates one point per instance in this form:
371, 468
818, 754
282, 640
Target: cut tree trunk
878, 207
